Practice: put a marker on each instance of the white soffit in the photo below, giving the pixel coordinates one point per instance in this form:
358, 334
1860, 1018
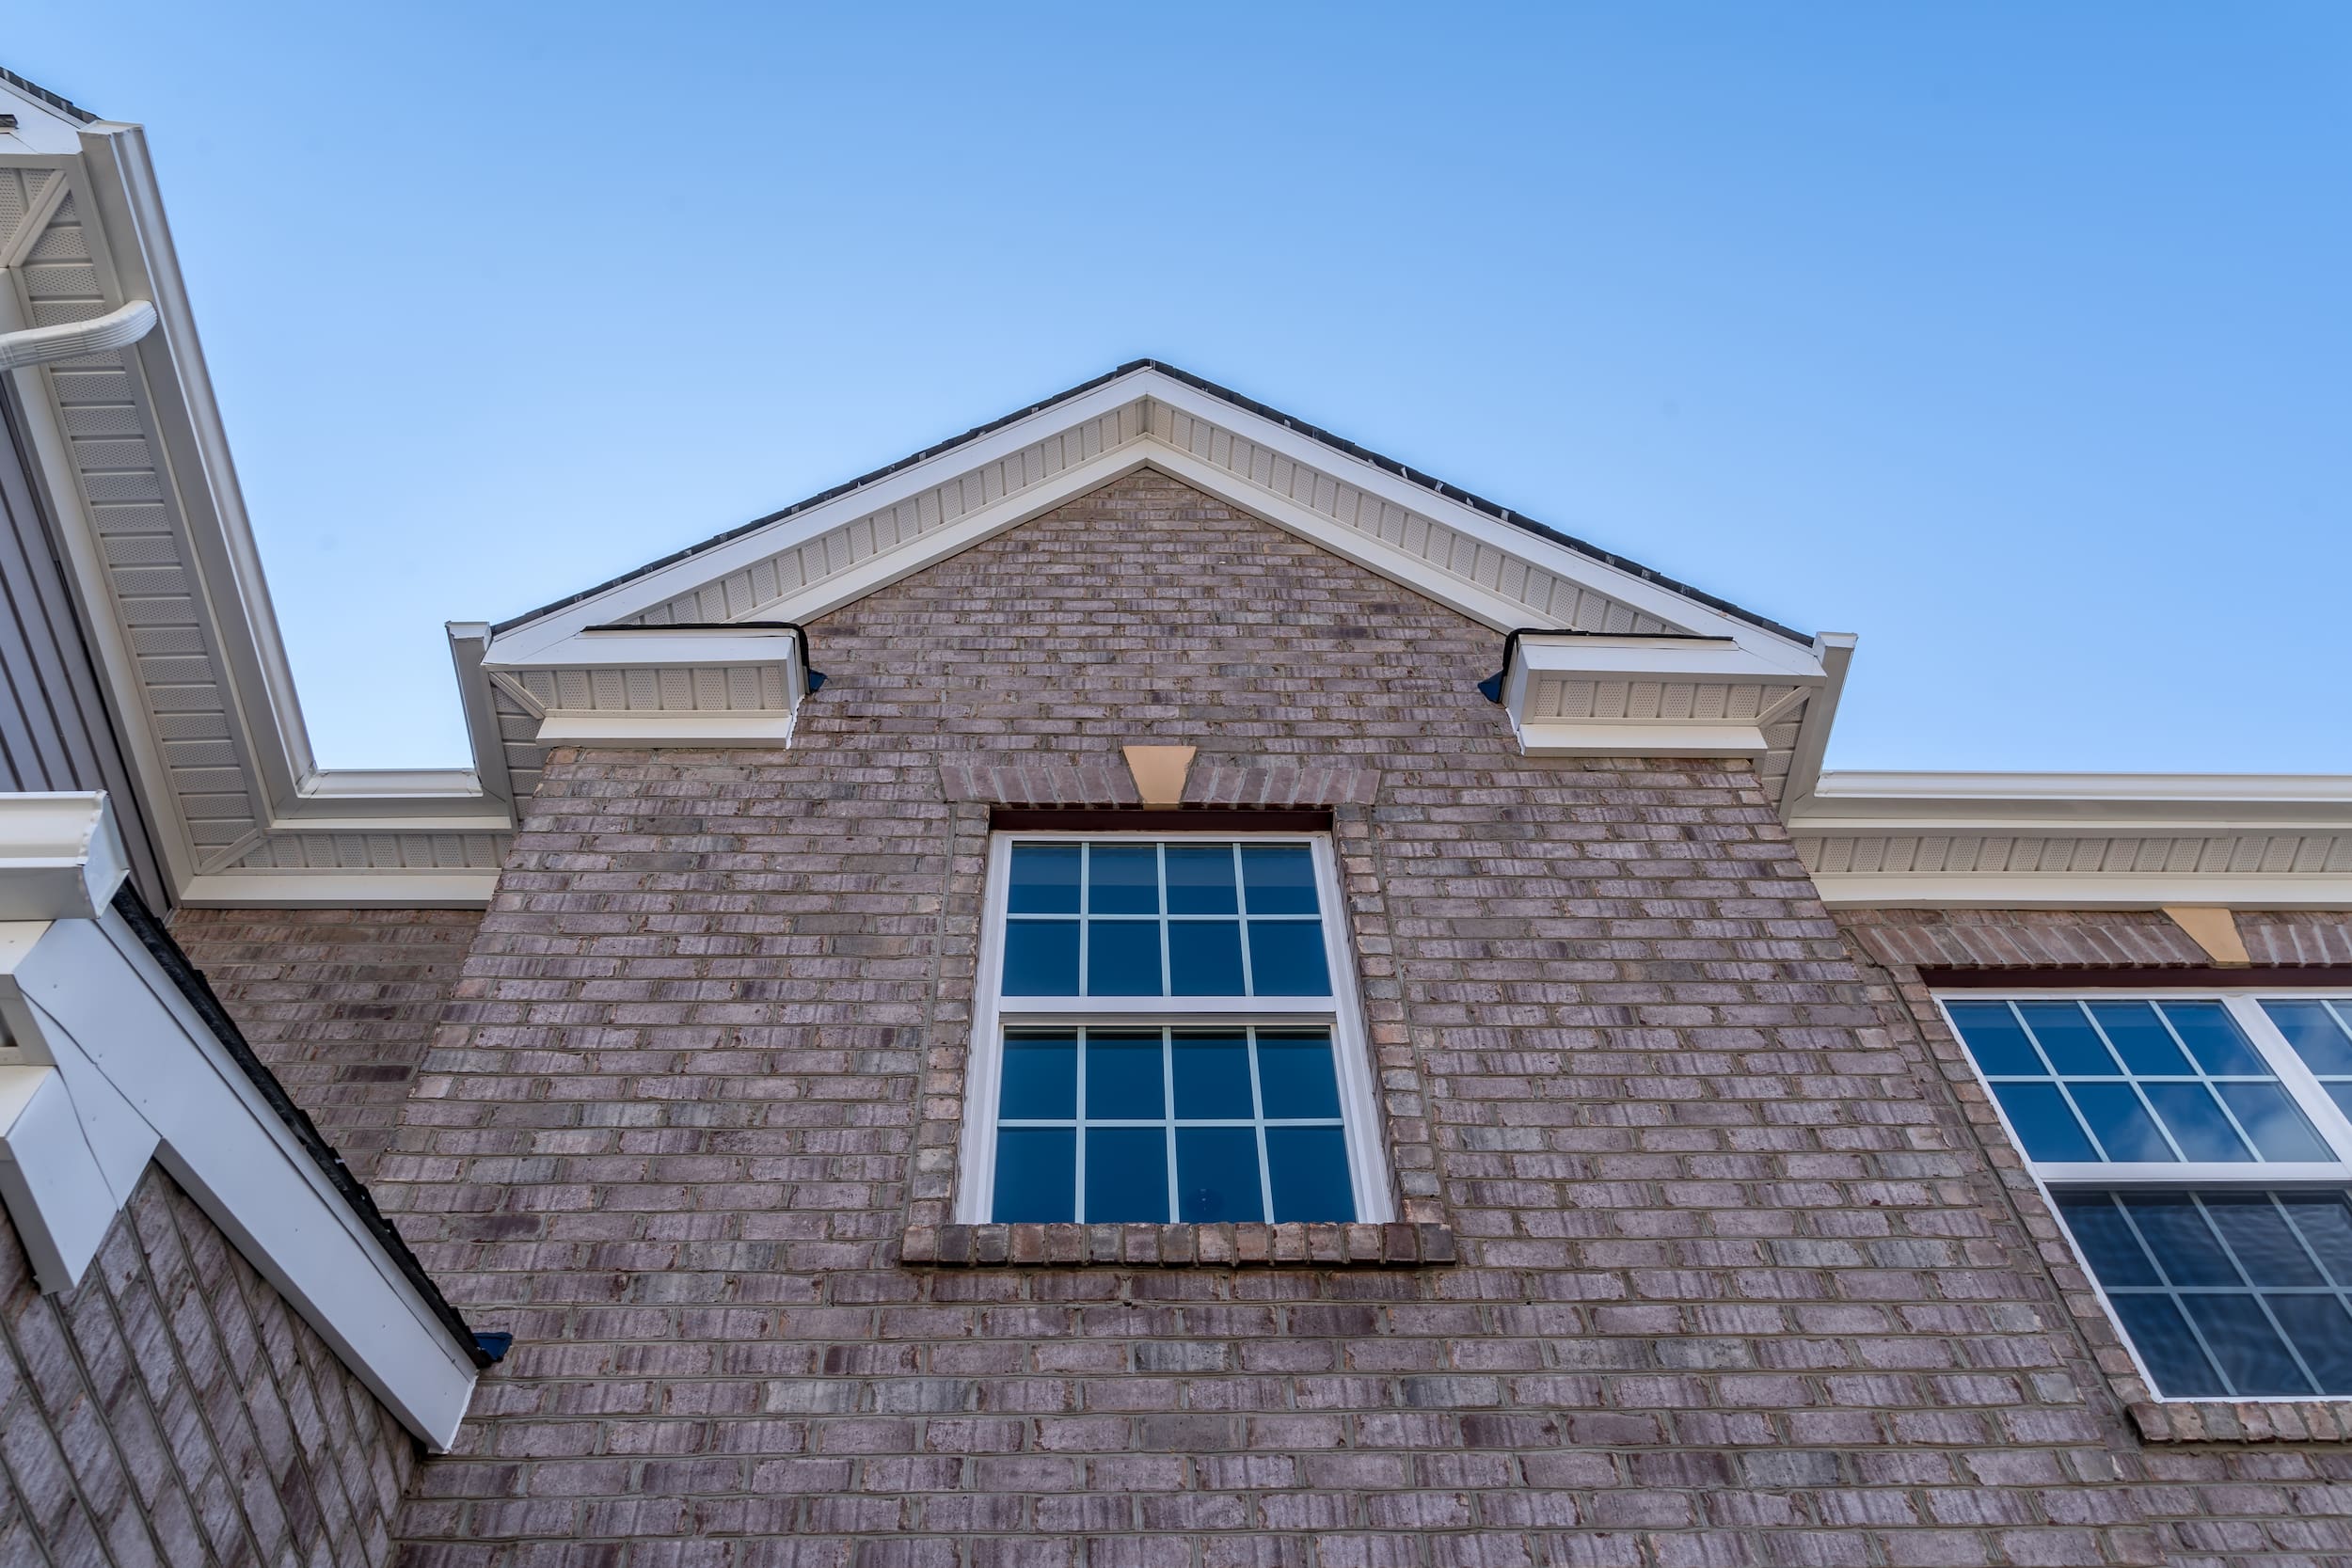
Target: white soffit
128, 450
732, 685
2079, 841
1582, 695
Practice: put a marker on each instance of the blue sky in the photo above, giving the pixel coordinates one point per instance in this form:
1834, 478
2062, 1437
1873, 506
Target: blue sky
2013, 338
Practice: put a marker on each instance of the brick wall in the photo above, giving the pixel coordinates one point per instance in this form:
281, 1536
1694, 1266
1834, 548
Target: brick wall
1736, 1284
171, 1410
339, 1003
2224, 1482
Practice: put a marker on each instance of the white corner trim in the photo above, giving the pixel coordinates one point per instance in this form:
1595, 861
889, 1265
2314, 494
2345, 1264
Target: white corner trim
62, 855
110, 1053
43, 345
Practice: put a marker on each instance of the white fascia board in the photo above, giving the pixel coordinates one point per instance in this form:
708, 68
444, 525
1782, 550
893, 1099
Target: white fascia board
684, 729
1835, 649
1665, 602
118, 1031
661, 647
1695, 658
339, 889
534, 643
1641, 739
62, 855
2116, 890
2068, 792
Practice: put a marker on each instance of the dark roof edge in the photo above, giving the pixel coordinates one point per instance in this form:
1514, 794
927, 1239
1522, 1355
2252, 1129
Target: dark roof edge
198, 991
1225, 394
60, 104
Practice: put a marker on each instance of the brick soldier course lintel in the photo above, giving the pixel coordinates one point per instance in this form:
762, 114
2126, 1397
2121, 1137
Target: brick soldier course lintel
1034, 1245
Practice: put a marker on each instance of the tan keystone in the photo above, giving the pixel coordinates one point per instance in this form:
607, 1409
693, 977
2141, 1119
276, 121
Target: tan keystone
2215, 930
1159, 773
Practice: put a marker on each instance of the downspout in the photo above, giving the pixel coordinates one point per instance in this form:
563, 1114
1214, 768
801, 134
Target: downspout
43, 345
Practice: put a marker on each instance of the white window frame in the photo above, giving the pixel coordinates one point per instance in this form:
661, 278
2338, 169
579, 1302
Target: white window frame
992, 1014
2244, 1005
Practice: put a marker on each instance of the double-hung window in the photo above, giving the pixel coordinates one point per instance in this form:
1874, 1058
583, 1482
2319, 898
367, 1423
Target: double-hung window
2197, 1148
1167, 1032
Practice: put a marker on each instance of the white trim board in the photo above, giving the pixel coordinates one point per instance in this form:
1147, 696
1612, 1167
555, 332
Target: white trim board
105, 1038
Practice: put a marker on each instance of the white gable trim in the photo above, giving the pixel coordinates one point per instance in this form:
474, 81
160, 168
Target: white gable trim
105, 1065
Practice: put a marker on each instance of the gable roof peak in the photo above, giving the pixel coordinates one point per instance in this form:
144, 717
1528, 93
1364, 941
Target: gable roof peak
1145, 371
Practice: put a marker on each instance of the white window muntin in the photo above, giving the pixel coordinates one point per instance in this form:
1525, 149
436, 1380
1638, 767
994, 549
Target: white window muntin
993, 1013
2302, 1085
2244, 1010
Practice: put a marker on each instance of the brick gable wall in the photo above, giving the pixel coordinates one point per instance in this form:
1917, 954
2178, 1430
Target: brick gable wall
339, 1004
1735, 1283
172, 1410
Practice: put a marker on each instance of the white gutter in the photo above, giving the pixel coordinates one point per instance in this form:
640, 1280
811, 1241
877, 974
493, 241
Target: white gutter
46, 345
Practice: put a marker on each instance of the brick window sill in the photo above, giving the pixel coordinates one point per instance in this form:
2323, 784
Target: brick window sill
987, 1247
2320, 1420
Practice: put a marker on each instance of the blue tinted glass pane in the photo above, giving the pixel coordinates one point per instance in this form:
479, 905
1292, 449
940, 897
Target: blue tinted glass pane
2140, 1037
2325, 1221
2342, 1094
1308, 1167
1295, 1076
2258, 1234
1213, 1077
1124, 1077
2120, 1122
2214, 1038
2067, 1039
2183, 1244
1126, 1175
1991, 1032
1041, 1077
2115, 1254
1037, 1172
2164, 1342
1286, 958
1122, 879
1200, 879
1045, 880
1280, 878
2044, 1123
2315, 1035
1205, 958
1041, 957
2196, 1122
1217, 1175
2271, 1119
2319, 1327
1123, 957
2252, 1355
